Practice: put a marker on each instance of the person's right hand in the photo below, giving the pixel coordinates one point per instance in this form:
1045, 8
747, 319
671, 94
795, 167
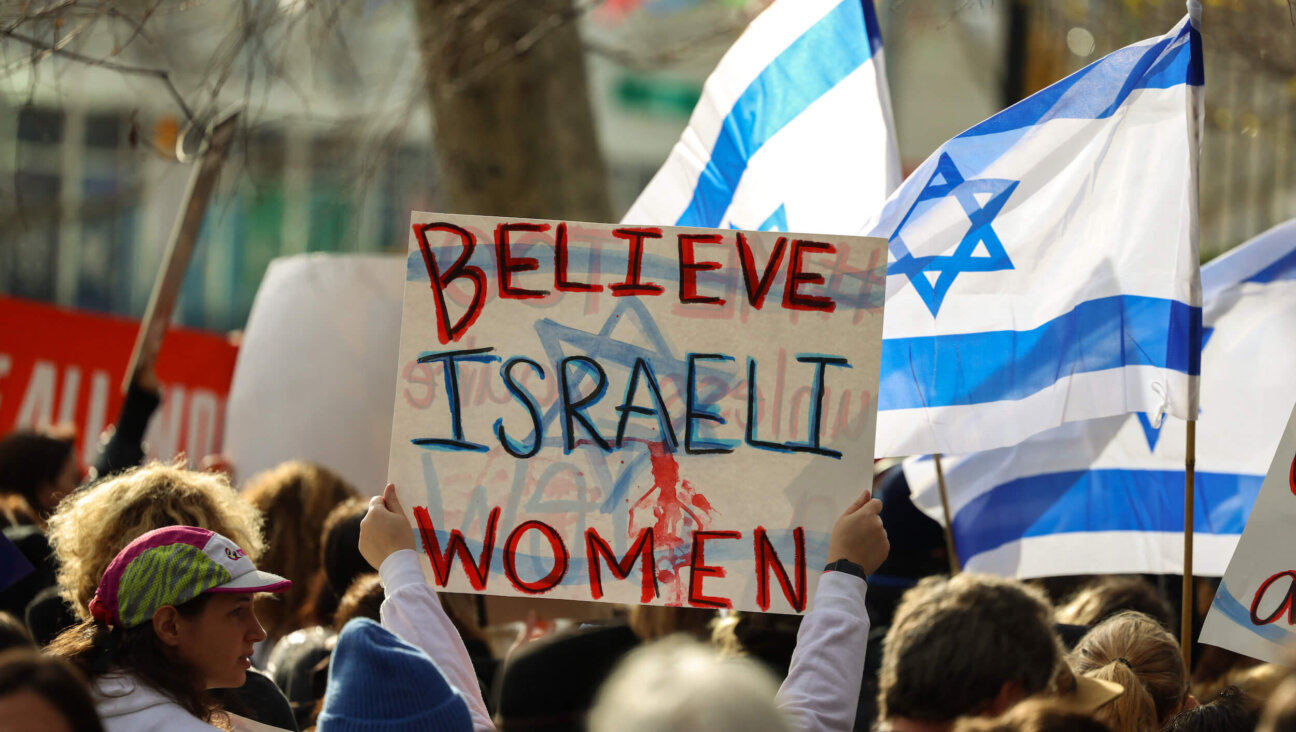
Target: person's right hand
858, 536
385, 529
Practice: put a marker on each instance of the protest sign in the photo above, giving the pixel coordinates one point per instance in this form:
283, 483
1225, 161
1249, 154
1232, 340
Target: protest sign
633, 414
60, 366
1253, 612
314, 376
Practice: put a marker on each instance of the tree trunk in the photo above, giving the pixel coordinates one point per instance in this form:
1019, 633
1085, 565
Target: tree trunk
514, 133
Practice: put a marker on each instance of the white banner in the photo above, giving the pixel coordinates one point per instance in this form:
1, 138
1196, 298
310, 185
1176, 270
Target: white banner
313, 380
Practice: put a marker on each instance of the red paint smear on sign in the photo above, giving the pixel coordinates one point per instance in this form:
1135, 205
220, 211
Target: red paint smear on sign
673, 503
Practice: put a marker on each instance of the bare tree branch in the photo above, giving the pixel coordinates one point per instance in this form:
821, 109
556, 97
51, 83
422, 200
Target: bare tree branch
59, 50
137, 26
53, 11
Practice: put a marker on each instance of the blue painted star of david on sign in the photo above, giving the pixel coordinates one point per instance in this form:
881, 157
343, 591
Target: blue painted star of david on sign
982, 200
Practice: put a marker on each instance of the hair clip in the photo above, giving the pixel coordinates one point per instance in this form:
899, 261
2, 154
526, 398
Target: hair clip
1125, 661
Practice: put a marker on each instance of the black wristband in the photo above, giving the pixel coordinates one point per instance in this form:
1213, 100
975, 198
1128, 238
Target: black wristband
846, 566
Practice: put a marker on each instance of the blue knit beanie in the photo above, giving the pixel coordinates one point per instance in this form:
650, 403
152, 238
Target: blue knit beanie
379, 682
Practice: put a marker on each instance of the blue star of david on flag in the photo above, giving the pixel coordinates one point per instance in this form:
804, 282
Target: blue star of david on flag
776, 221
982, 200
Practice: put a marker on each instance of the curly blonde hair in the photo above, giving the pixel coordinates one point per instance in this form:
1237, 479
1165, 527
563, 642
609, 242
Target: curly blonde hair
296, 499
92, 526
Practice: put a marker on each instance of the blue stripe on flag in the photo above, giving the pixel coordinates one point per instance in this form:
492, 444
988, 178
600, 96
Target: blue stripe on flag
874, 28
972, 368
1102, 500
1282, 269
816, 62
1086, 94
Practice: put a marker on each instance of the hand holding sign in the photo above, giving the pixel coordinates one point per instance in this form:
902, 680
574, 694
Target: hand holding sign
385, 529
858, 536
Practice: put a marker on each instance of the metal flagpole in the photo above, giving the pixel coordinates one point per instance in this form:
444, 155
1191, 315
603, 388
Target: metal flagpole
949, 521
1186, 615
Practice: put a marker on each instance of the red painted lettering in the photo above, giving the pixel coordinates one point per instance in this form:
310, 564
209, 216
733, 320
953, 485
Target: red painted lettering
1286, 606
793, 300
767, 557
509, 264
758, 285
1291, 476
597, 548
477, 573
561, 559
689, 267
634, 263
446, 331
561, 283
699, 570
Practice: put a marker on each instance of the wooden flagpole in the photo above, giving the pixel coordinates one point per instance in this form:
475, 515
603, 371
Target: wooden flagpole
950, 549
180, 247
1188, 596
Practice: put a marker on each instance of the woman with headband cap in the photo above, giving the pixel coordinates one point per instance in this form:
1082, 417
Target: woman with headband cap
173, 617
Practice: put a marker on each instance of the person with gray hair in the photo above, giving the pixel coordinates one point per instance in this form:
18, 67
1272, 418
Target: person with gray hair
682, 685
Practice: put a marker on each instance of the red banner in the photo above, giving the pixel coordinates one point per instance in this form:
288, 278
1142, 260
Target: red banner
67, 366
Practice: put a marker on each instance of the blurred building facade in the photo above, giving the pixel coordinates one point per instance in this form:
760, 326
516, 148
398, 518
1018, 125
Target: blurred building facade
335, 151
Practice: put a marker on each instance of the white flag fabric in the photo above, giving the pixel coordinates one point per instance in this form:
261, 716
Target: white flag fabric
1106, 495
793, 131
1043, 264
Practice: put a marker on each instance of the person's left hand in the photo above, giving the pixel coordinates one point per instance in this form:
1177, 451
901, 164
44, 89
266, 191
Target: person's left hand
385, 529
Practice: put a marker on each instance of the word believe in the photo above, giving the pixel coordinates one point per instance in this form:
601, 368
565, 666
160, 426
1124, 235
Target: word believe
573, 407
598, 553
757, 280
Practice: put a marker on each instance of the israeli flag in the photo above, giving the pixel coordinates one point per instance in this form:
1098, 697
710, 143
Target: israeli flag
1106, 495
793, 131
1043, 263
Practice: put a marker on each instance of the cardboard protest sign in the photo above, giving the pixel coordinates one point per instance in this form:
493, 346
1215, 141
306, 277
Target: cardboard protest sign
62, 366
634, 414
1253, 612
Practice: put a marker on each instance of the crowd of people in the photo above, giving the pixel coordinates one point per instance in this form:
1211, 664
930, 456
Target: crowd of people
161, 598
